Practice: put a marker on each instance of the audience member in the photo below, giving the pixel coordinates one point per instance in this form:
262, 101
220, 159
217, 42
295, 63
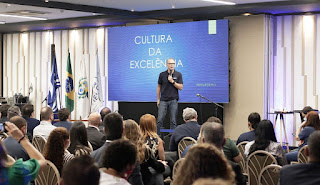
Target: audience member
210, 181
145, 155
14, 148
304, 112
79, 139
95, 137
64, 119
45, 127
28, 115
265, 139
306, 174
118, 162
104, 111
20, 172
4, 113
203, 161
56, 148
189, 129
14, 111
253, 121
303, 133
80, 171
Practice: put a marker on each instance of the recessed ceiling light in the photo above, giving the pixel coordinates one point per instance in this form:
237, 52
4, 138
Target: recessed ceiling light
8, 5
47, 1
173, 5
132, 9
221, 2
247, 14
22, 17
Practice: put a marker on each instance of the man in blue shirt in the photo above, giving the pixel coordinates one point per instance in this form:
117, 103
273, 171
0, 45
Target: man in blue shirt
64, 117
28, 114
253, 121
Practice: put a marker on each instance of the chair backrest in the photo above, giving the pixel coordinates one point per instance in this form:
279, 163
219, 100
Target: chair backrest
39, 142
270, 175
176, 166
186, 141
10, 159
256, 162
302, 155
81, 151
49, 175
242, 163
90, 146
3, 136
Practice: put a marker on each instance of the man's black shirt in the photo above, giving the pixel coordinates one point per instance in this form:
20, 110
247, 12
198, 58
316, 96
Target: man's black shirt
168, 91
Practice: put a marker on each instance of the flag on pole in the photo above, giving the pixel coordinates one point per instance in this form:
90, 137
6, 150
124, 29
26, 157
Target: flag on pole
54, 86
69, 99
83, 106
97, 99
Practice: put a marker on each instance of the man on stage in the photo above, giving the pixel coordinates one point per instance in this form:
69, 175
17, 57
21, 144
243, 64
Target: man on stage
169, 82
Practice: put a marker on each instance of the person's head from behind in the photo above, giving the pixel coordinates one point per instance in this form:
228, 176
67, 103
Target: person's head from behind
313, 120
212, 133
313, 150
63, 114
120, 155
253, 120
113, 126
58, 141
305, 111
20, 122
189, 114
211, 181
46, 114
203, 161
132, 131
4, 110
78, 134
14, 111
80, 171
263, 135
94, 119
214, 119
104, 111
28, 110
148, 125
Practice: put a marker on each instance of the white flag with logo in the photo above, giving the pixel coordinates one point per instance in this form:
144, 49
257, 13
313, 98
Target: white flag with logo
97, 98
83, 107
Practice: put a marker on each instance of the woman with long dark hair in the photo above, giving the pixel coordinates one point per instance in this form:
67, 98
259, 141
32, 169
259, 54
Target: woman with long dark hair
265, 139
79, 139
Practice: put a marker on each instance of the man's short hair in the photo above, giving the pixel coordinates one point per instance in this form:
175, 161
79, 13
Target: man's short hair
113, 126
13, 111
314, 145
214, 119
307, 109
104, 112
45, 113
189, 113
63, 114
119, 154
213, 133
254, 119
81, 171
18, 121
27, 110
4, 110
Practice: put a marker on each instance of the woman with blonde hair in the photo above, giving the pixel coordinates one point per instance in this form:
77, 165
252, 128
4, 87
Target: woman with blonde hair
203, 161
146, 158
148, 126
56, 147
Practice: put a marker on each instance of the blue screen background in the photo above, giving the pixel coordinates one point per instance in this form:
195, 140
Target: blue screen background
202, 58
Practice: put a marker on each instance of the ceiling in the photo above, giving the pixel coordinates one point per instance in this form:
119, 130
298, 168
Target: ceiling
70, 14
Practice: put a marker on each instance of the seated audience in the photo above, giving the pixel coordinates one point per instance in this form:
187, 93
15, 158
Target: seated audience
304, 112
14, 111
56, 148
306, 174
210, 181
303, 133
64, 119
104, 111
4, 113
253, 121
118, 162
80, 171
79, 139
203, 161
20, 172
15, 149
45, 127
95, 137
28, 114
189, 129
145, 155
265, 139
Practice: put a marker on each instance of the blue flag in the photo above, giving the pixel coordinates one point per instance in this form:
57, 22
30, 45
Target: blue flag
54, 87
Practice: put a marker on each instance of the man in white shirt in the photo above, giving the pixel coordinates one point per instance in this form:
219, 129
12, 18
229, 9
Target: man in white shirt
45, 127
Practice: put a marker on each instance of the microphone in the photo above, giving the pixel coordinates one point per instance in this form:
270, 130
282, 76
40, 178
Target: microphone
198, 95
170, 72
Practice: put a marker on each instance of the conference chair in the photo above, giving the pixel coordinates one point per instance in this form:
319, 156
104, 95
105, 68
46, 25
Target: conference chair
302, 155
176, 166
3, 136
39, 142
186, 141
49, 175
90, 146
10, 159
270, 175
242, 163
256, 162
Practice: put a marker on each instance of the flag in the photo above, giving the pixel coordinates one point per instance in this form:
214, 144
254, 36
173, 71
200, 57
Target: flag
97, 99
82, 95
69, 99
54, 87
